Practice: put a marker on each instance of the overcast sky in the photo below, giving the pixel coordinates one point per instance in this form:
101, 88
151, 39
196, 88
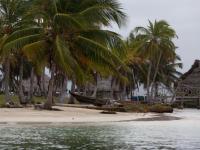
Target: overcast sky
182, 15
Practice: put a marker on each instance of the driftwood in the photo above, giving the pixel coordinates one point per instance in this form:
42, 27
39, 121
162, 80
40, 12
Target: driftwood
13, 105
38, 106
41, 107
108, 112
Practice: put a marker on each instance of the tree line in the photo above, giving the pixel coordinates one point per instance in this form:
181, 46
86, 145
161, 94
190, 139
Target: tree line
68, 38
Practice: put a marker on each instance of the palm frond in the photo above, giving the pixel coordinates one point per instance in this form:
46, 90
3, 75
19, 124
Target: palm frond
24, 32
21, 42
100, 54
66, 20
103, 12
66, 61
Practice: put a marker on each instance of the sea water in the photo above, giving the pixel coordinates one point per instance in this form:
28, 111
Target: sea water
183, 134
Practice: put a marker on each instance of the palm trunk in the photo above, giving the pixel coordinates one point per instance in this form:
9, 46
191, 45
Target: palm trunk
31, 84
112, 88
49, 102
7, 80
156, 90
79, 90
123, 94
148, 81
63, 91
85, 89
44, 93
94, 94
71, 99
156, 72
174, 92
21, 92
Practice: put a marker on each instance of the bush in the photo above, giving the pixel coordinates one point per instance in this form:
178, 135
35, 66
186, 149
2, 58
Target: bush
140, 108
161, 108
144, 108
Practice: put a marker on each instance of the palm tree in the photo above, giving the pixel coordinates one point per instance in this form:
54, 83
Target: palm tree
168, 74
70, 34
11, 18
157, 43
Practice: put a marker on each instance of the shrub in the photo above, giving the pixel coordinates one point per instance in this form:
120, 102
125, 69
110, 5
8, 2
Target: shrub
141, 108
161, 108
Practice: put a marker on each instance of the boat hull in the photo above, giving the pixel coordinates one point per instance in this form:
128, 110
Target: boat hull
89, 100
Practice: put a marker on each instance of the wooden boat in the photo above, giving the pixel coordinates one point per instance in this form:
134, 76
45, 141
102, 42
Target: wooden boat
89, 100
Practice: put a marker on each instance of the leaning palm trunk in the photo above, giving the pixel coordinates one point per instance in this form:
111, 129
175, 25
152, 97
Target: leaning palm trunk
21, 92
112, 88
49, 102
71, 99
44, 93
94, 94
123, 94
63, 91
174, 93
7, 80
148, 81
156, 73
31, 84
85, 89
156, 90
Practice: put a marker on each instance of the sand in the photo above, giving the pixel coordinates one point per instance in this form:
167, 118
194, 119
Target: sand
68, 115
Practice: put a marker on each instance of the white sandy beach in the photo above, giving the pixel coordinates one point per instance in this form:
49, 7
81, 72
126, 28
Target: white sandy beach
68, 115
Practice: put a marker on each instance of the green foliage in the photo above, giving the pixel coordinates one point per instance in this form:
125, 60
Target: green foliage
152, 56
144, 108
161, 108
139, 108
67, 38
15, 100
69, 35
2, 101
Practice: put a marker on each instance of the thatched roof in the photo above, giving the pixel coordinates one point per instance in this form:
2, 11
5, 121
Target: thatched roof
192, 76
194, 66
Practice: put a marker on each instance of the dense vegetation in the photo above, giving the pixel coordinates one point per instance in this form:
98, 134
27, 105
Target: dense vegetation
69, 39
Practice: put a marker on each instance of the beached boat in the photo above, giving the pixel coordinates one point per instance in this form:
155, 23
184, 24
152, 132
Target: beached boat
89, 100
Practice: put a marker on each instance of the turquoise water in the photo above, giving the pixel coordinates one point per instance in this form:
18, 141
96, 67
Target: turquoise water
177, 134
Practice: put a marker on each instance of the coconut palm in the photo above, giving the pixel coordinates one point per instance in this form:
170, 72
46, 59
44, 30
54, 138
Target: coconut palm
157, 42
11, 12
69, 35
168, 73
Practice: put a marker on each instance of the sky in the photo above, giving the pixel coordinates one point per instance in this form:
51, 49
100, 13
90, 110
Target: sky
182, 15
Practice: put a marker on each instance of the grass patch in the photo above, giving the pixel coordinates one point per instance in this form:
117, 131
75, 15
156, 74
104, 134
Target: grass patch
14, 98
38, 100
161, 108
140, 108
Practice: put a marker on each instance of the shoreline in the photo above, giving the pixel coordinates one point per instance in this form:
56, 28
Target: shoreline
73, 115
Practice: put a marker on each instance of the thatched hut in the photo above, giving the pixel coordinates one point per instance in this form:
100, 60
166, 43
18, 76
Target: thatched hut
188, 88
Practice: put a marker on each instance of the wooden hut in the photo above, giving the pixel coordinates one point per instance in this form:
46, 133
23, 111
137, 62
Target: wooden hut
188, 88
